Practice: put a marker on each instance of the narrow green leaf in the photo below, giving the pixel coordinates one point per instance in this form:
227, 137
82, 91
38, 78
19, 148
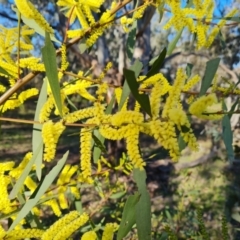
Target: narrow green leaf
48, 180
128, 217
50, 63
25, 172
99, 143
118, 195
189, 69
160, 10
142, 99
37, 128
210, 71
181, 143
227, 135
136, 67
174, 42
222, 40
233, 108
131, 40
157, 64
143, 208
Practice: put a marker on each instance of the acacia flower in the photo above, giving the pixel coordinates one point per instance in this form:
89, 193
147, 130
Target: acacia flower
66, 231
28, 10
90, 235
174, 93
205, 106
132, 141
109, 230
32, 63
85, 152
58, 225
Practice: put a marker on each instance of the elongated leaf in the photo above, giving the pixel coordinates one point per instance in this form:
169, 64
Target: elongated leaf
210, 71
233, 108
48, 180
99, 143
25, 172
136, 67
227, 135
118, 195
37, 128
142, 99
174, 42
160, 10
189, 69
128, 217
50, 63
143, 208
157, 64
131, 40
34, 25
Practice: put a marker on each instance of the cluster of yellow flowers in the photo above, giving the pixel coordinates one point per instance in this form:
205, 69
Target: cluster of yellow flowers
167, 121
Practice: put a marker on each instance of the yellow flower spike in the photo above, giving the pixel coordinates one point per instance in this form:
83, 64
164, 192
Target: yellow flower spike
46, 109
81, 10
58, 225
109, 230
2, 88
139, 13
174, 93
24, 95
191, 82
32, 63
62, 201
50, 134
6, 205
16, 172
63, 174
125, 117
155, 100
80, 115
31, 185
204, 106
28, 10
132, 146
54, 205
10, 68
85, 152
216, 29
90, 235
164, 133
180, 119
24, 233
67, 230
113, 133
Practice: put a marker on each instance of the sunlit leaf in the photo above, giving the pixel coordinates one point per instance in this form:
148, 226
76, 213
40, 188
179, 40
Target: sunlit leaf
227, 135
37, 128
136, 67
48, 180
142, 99
210, 71
128, 216
50, 63
131, 40
143, 207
